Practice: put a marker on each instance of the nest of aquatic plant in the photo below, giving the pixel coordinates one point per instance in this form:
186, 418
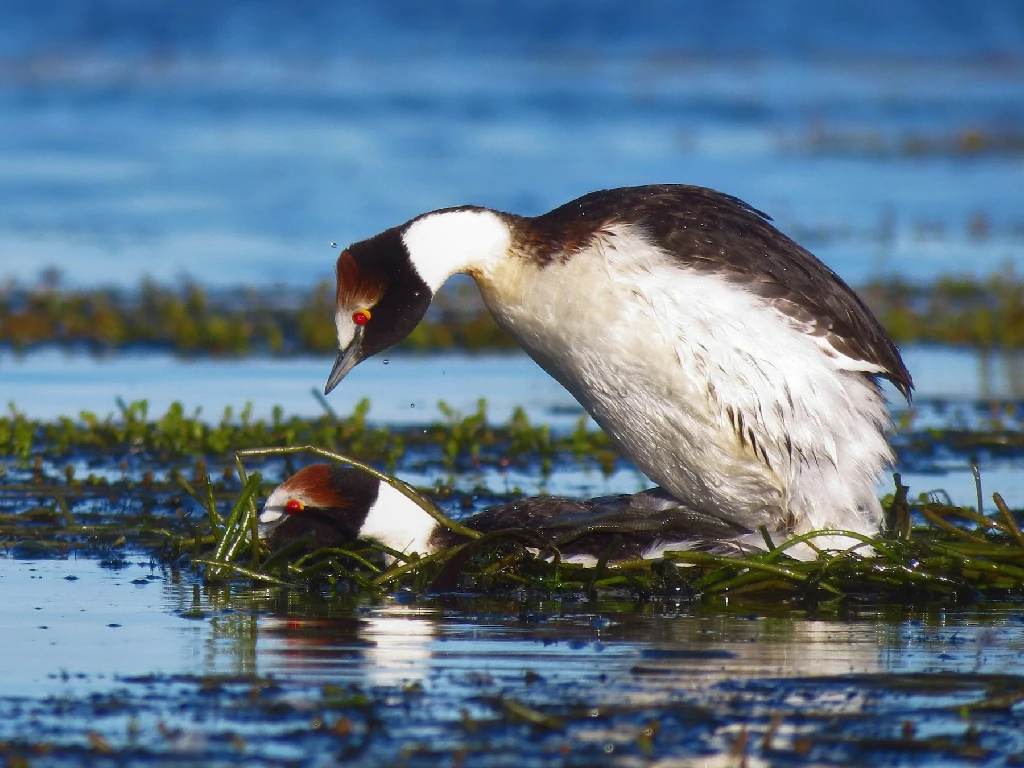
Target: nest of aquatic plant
930, 550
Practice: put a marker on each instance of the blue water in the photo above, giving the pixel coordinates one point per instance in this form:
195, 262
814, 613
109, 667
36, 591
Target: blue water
405, 389
114, 660
954, 389
234, 142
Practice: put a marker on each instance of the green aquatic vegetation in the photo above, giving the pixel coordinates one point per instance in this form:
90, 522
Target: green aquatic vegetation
967, 311
178, 434
954, 554
18, 433
982, 312
466, 434
154, 462
191, 320
963, 141
52, 520
529, 440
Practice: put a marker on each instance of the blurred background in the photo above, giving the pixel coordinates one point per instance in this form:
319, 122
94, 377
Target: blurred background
177, 178
231, 142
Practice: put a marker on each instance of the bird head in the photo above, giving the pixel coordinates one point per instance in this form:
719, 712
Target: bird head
328, 501
338, 505
380, 299
385, 284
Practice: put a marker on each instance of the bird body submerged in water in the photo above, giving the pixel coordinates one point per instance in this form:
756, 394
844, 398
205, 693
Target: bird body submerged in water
727, 362
336, 505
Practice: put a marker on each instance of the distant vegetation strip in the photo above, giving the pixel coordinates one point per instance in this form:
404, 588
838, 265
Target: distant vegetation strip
188, 320
456, 439
191, 320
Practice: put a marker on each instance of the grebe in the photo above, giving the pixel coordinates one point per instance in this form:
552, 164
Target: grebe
336, 505
727, 362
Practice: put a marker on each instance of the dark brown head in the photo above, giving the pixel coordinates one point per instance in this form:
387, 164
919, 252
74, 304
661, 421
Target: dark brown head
338, 505
385, 284
328, 501
380, 299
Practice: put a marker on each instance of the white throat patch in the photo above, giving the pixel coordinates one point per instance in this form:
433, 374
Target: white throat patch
449, 242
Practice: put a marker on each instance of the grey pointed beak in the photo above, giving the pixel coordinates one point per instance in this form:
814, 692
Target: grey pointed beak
347, 360
269, 519
263, 530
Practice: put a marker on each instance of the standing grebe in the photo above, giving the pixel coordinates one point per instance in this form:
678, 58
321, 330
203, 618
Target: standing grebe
336, 505
729, 364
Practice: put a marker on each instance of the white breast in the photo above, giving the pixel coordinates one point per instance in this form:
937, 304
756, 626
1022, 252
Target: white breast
673, 364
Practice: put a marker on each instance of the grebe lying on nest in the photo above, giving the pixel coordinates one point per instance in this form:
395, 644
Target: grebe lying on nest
336, 505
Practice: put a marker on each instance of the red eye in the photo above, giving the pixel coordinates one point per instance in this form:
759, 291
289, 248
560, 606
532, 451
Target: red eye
362, 317
294, 506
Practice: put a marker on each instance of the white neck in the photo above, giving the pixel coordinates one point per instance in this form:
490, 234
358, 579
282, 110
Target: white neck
396, 521
445, 243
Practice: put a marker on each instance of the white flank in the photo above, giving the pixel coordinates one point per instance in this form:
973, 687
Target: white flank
660, 356
448, 242
396, 521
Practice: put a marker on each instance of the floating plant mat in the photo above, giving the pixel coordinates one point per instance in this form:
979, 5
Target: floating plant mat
955, 554
368, 673
98, 484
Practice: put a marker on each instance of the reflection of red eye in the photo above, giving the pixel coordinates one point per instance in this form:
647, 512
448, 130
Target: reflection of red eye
362, 317
293, 507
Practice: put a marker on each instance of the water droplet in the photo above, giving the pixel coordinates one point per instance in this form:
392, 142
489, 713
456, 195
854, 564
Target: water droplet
412, 405
386, 361
334, 245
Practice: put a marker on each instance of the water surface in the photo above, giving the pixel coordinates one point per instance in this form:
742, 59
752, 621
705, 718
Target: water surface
145, 660
955, 389
233, 144
403, 389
